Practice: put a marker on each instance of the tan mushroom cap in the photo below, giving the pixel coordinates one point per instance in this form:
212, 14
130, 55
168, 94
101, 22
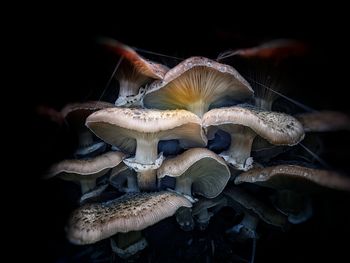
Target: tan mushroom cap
120, 126
324, 121
195, 82
255, 207
277, 128
203, 169
294, 177
86, 169
130, 212
143, 66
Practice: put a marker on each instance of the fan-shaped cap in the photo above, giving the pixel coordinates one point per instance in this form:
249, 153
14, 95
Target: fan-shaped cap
324, 121
195, 84
133, 211
120, 126
200, 168
143, 66
277, 128
86, 169
294, 177
250, 204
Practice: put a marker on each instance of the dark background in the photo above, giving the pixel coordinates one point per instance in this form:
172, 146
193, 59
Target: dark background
73, 67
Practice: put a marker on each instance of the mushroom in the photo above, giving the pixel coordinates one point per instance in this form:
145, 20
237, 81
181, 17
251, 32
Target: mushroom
253, 210
201, 210
324, 121
128, 244
75, 114
196, 84
197, 170
140, 130
86, 171
130, 212
244, 123
294, 177
133, 73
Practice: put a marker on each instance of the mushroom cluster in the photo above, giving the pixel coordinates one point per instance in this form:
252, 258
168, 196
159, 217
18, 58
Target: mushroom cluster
182, 142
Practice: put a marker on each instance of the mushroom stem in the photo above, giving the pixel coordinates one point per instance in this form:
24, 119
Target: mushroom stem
87, 185
146, 153
250, 222
146, 150
132, 183
239, 151
128, 88
184, 185
199, 107
147, 180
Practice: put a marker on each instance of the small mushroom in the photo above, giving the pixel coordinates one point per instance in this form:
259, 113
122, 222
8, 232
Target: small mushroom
139, 131
130, 212
253, 210
75, 115
133, 73
196, 84
295, 177
128, 244
86, 171
197, 170
243, 123
324, 121
205, 208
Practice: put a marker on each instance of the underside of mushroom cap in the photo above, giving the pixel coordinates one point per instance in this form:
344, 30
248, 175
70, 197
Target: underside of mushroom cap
195, 84
133, 211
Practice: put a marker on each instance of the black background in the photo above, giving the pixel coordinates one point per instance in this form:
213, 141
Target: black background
70, 66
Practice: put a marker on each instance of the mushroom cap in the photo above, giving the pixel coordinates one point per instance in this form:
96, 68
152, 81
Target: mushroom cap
78, 112
205, 203
86, 169
277, 128
121, 126
294, 177
208, 171
324, 121
130, 212
245, 202
197, 78
143, 66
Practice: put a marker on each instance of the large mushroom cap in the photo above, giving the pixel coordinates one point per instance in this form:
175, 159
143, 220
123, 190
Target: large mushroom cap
195, 84
134, 211
120, 126
86, 169
200, 168
243, 201
323, 121
294, 177
143, 66
277, 128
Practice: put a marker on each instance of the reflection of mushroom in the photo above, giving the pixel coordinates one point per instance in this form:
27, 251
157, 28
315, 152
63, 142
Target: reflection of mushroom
141, 130
197, 170
253, 210
244, 123
133, 73
86, 171
76, 114
201, 210
324, 121
195, 84
130, 212
294, 177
